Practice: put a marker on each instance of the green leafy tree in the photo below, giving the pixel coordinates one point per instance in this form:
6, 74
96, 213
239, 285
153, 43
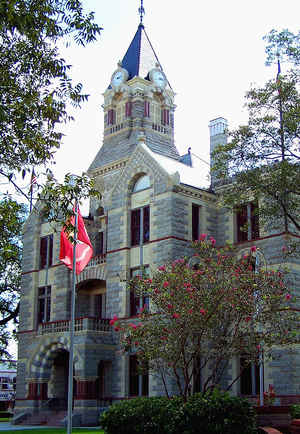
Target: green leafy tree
35, 81
36, 94
261, 159
205, 311
12, 217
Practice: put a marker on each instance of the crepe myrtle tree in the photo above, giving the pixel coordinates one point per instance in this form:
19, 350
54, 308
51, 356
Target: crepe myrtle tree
204, 311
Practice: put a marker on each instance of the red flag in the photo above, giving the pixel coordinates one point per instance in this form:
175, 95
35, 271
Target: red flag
84, 249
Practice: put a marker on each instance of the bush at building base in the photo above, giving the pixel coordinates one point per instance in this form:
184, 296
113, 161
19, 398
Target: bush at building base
213, 413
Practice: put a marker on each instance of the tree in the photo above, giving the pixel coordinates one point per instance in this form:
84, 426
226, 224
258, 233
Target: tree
205, 311
36, 92
261, 159
36, 87
12, 217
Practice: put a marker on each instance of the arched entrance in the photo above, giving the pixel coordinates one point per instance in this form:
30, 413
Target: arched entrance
103, 383
58, 382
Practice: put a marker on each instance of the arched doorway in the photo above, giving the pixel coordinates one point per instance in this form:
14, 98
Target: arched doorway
103, 383
59, 378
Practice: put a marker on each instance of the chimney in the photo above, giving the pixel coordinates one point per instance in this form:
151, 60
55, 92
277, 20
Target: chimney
218, 136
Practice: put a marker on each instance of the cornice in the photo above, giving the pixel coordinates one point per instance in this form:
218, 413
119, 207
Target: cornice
101, 171
194, 192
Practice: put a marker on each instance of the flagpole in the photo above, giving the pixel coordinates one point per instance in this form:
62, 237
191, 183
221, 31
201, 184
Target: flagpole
71, 355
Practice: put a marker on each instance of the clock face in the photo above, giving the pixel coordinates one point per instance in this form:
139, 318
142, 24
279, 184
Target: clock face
158, 77
118, 78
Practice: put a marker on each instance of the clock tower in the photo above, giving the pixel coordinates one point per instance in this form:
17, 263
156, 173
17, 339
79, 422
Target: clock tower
138, 101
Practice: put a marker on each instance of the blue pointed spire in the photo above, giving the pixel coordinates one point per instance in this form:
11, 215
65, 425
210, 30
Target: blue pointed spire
140, 57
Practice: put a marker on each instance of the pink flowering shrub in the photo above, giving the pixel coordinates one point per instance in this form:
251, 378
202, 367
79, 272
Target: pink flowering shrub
205, 312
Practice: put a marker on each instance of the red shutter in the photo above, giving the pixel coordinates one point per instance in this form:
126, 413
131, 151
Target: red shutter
135, 227
241, 221
254, 221
195, 222
146, 224
128, 109
147, 109
110, 117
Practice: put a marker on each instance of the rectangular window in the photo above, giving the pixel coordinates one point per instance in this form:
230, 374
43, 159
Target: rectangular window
138, 381
98, 305
128, 109
146, 109
46, 251
110, 117
165, 117
44, 304
137, 302
140, 225
99, 244
247, 222
195, 222
249, 380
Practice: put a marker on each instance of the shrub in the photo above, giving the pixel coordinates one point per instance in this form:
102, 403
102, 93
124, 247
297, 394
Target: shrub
213, 413
156, 415
295, 411
217, 413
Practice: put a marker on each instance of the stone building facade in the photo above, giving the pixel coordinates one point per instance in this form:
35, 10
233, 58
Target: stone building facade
154, 202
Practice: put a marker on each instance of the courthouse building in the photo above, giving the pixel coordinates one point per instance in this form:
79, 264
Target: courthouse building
154, 202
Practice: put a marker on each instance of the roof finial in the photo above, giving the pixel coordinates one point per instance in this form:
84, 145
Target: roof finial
141, 12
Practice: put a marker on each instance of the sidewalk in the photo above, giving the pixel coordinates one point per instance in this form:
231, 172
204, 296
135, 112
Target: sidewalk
4, 426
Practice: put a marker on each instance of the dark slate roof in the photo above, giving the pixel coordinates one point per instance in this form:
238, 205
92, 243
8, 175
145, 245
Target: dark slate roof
140, 57
187, 158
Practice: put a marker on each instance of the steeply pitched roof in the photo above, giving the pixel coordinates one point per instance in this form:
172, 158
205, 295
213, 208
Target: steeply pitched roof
197, 176
140, 57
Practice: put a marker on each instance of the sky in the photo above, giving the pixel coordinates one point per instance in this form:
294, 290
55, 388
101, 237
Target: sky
212, 52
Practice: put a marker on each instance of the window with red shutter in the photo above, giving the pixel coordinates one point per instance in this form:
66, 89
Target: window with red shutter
111, 117
44, 304
138, 215
146, 224
135, 227
46, 251
138, 383
195, 221
254, 221
242, 221
247, 222
136, 301
147, 109
128, 109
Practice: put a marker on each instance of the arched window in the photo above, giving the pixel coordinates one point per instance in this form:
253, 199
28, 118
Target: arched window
142, 183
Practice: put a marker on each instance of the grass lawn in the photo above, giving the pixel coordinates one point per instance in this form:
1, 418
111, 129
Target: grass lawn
53, 431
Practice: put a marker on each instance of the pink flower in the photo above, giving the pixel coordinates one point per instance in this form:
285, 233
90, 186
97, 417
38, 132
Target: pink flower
288, 297
202, 311
284, 248
176, 315
113, 320
134, 326
213, 241
248, 318
162, 268
202, 237
190, 311
165, 284
253, 249
149, 281
117, 329
156, 291
172, 294
170, 306
136, 344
